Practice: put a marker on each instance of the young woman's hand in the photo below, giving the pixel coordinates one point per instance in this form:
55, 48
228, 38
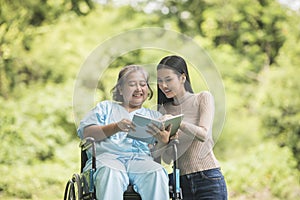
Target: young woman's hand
174, 137
164, 117
162, 134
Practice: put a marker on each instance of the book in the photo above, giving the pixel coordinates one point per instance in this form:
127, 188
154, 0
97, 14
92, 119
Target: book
141, 122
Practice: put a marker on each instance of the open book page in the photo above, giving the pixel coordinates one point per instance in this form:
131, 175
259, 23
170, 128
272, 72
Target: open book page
142, 121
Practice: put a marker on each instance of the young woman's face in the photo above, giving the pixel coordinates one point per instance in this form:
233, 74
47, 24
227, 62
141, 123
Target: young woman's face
134, 90
169, 83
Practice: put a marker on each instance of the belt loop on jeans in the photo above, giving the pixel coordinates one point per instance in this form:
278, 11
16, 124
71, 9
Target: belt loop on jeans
188, 176
201, 174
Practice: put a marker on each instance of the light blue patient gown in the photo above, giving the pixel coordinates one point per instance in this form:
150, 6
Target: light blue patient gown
121, 160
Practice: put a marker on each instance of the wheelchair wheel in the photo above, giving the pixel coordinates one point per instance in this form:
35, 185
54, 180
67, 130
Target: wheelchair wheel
67, 190
73, 190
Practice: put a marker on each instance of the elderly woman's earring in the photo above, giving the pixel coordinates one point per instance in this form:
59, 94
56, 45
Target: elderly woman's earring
120, 91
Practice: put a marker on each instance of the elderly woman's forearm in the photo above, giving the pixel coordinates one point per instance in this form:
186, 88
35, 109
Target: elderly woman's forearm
100, 132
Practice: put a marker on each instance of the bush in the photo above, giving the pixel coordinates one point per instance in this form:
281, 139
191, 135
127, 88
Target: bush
265, 167
31, 127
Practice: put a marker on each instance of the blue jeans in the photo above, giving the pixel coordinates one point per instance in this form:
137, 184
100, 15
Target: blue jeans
208, 184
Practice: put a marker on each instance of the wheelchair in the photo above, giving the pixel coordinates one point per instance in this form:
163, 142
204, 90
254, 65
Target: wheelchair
81, 186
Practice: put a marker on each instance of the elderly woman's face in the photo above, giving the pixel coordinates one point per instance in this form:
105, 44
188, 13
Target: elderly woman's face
134, 90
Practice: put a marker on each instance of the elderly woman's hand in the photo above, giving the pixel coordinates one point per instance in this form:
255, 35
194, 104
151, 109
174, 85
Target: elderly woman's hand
125, 125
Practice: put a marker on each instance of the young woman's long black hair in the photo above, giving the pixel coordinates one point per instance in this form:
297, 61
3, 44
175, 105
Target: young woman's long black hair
179, 66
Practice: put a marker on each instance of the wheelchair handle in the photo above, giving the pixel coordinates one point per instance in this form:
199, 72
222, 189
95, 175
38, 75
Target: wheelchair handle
176, 172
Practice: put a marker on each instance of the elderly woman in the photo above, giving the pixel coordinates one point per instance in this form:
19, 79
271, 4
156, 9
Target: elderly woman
122, 160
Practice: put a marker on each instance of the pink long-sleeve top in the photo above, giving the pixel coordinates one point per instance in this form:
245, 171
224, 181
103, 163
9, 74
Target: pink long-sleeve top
195, 149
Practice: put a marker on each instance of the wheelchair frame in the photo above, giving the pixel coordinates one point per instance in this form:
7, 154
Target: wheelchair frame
81, 186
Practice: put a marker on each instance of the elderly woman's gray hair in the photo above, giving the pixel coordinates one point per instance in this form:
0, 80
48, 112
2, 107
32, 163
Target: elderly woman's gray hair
123, 74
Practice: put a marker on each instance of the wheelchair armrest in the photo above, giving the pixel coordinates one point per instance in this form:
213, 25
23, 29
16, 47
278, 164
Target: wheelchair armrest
86, 144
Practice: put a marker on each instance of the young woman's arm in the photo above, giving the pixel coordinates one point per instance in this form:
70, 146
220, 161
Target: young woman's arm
206, 109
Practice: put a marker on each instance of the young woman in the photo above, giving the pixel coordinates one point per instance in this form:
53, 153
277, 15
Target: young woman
201, 177
122, 160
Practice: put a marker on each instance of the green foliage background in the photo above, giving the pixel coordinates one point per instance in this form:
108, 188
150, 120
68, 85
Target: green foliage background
255, 46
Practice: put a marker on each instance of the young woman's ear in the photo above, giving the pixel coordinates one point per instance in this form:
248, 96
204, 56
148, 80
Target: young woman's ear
183, 78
